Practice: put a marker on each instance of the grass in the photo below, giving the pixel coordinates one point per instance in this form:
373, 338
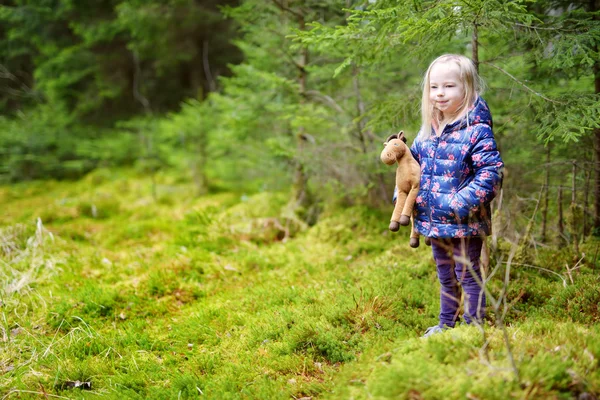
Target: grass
227, 296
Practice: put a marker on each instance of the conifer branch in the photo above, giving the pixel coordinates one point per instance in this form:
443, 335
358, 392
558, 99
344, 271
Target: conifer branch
521, 83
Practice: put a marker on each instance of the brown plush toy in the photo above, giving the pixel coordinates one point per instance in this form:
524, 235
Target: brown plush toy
408, 176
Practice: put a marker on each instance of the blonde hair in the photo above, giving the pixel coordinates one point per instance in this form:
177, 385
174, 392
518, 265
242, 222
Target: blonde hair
473, 86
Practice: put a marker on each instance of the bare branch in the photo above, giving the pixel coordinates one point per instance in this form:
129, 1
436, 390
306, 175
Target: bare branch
546, 28
205, 63
521, 83
136, 84
6, 74
327, 99
564, 281
282, 7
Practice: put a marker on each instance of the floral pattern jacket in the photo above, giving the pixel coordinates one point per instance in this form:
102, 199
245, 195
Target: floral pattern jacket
461, 172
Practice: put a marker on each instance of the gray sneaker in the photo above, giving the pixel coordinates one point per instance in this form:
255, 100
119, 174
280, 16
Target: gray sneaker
432, 330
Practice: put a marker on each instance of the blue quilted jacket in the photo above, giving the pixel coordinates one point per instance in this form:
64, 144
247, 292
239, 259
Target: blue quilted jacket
461, 172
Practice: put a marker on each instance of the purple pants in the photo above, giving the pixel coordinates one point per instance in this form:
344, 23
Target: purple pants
450, 256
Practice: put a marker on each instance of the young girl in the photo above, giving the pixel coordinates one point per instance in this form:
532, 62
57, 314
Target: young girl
460, 175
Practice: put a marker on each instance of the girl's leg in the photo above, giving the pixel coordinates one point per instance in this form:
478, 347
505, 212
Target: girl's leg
450, 292
468, 250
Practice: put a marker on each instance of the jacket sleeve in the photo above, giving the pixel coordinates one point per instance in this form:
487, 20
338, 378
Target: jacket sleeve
487, 168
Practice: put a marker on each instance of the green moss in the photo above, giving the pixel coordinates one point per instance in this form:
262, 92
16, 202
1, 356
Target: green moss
99, 209
166, 299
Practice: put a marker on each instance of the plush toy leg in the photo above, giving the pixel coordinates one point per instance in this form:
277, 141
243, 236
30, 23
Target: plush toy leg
400, 202
414, 235
407, 210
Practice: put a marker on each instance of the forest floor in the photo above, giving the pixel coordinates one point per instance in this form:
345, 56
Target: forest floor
108, 291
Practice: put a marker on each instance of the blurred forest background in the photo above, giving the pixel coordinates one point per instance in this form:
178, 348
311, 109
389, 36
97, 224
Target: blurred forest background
274, 94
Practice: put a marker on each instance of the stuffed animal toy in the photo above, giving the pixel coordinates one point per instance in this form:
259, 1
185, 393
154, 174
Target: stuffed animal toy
408, 176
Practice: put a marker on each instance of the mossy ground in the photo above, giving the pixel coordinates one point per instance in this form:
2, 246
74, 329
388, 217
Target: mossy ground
225, 297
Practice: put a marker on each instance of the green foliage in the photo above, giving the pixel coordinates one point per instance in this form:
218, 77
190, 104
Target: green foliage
42, 143
570, 118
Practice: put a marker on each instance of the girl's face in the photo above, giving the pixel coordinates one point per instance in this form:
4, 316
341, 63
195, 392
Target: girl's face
446, 89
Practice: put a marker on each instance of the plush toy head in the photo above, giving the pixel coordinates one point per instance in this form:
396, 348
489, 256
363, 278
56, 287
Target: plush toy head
395, 148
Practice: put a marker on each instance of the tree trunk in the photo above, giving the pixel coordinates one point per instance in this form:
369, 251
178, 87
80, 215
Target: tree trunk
360, 127
561, 227
546, 194
597, 158
595, 6
199, 167
302, 197
574, 212
485, 251
360, 109
301, 180
586, 195
475, 47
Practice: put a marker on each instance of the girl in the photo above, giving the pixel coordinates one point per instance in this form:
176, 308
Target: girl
460, 175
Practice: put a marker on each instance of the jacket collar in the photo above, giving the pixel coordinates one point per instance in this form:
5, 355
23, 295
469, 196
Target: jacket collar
478, 113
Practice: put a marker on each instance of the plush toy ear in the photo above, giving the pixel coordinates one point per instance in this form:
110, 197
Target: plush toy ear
394, 136
401, 136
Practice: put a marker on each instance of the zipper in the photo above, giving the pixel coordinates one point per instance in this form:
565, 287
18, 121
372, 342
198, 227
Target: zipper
430, 196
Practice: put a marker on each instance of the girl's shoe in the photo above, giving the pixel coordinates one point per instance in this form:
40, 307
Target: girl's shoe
432, 330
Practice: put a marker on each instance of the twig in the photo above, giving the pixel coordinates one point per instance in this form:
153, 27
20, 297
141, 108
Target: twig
53, 338
206, 65
495, 304
328, 99
578, 262
521, 83
136, 84
284, 8
544, 269
569, 274
545, 28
